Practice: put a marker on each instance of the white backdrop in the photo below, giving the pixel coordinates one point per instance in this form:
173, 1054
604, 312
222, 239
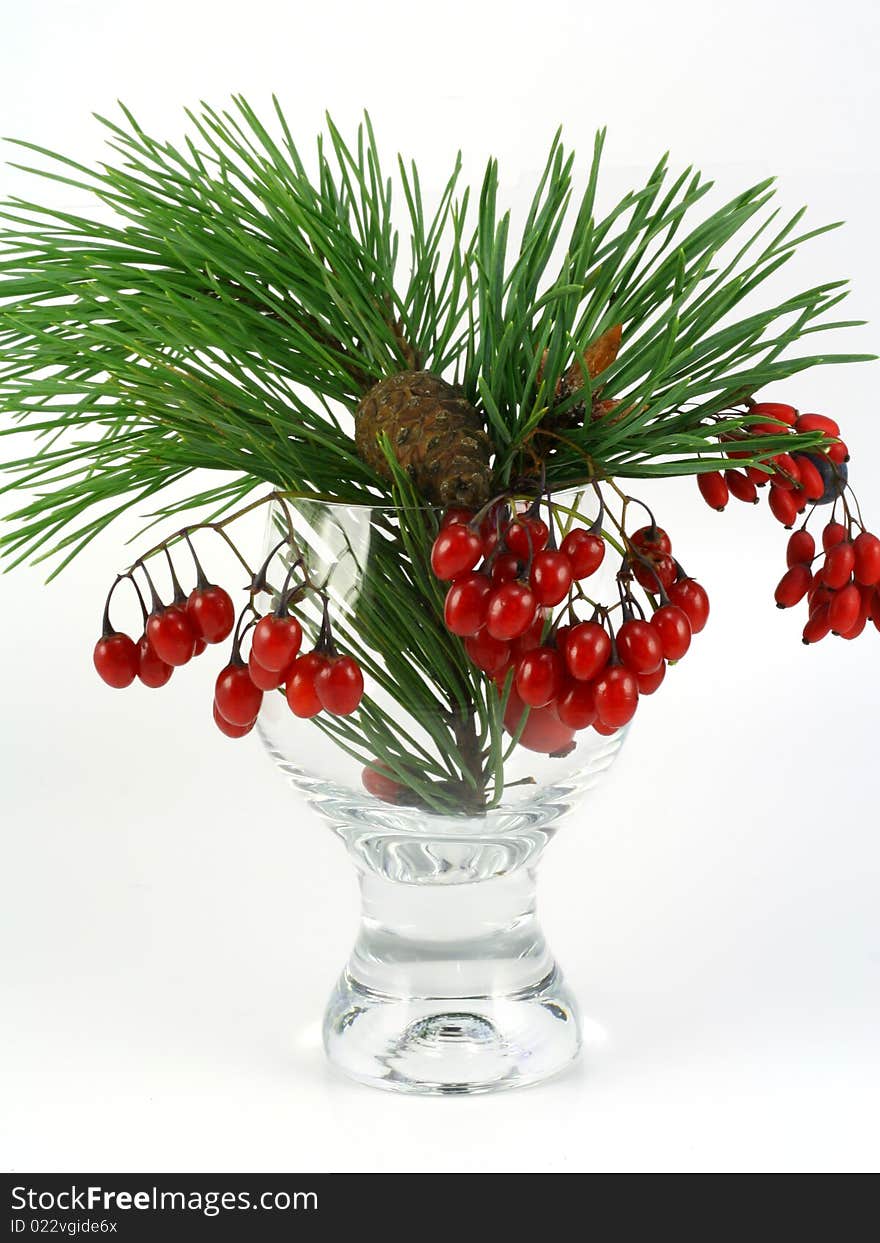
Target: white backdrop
171, 919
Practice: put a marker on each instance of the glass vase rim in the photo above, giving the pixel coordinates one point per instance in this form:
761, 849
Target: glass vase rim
428, 507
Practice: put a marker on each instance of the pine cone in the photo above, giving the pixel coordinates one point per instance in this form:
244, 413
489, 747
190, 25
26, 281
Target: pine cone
435, 432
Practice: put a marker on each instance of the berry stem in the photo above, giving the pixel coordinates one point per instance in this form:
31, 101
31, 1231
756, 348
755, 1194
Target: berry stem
259, 582
106, 627
325, 644
156, 602
179, 594
235, 655
595, 527
201, 577
287, 593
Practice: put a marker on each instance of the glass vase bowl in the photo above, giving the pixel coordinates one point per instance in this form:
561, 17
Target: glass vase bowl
450, 986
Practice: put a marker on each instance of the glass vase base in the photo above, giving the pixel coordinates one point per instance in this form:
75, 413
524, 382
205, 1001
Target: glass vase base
448, 1046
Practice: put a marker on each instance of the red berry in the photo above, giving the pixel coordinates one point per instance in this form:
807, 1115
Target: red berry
649, 682
543, 731
587, 650
211, 613
505, 568
838, 565
783, 505
659, 572
466, 604
862, 615
817, 423
116, 660
576, 706
767, 429
843, 611
811, 481
560, 637
674, 629
856, 629
276, 641
265, 679
788, 474
838, 453
550, 577
530, 638
801, 549
651, 540
378, 781
818, 626
302, 694
457, 549
171, 635
539, 676
238, 700
490, 655
737, 456
775, 410
692, 599
453, 516
230, 730
585, 552
758, 476
497, 516
834, 533
607, 731
489, 542
527, 535
639, 646
741, 487
152, 671
617, 696
793, 586
819, 595
511, 611
340, 685
714, 490
866, 569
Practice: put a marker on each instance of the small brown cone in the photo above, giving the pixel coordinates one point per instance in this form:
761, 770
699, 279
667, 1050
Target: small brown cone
435, 432
598, 357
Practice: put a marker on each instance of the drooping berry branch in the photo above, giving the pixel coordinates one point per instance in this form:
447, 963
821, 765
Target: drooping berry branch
843, 593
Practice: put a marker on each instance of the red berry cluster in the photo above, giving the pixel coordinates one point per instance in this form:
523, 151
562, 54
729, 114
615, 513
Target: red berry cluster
173, 633
842, 590
561, 677
796, 479
518, 576
320, 680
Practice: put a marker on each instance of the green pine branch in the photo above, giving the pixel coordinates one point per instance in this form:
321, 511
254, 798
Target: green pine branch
242, 298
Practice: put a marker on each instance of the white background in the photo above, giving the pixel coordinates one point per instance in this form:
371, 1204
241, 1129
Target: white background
172, 919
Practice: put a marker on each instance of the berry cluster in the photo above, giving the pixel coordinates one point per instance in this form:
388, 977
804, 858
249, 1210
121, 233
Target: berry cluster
173, 633
320, 680
562, 675
796, 479
842, 591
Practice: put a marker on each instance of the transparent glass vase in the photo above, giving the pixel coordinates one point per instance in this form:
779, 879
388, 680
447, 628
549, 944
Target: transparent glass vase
451, 986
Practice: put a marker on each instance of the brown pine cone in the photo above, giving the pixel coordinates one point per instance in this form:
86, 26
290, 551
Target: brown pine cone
436, 434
